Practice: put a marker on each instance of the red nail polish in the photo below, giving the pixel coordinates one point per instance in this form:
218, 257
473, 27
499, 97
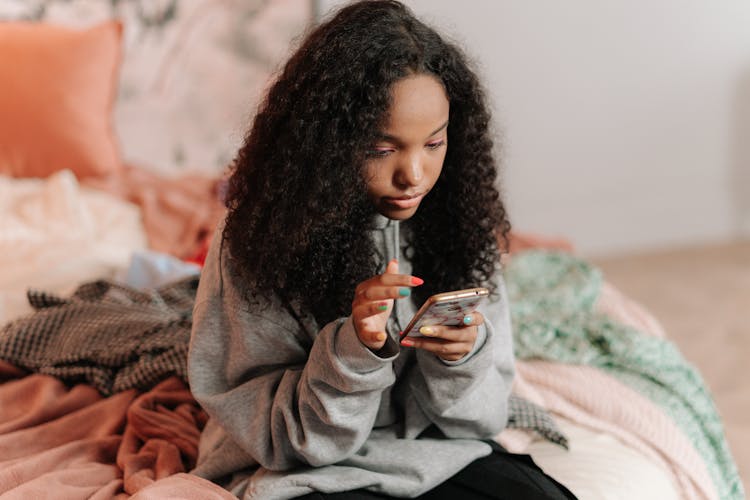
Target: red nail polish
407, 343
416, 281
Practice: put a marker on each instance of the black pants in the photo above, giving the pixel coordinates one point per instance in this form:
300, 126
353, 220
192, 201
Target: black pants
498, 476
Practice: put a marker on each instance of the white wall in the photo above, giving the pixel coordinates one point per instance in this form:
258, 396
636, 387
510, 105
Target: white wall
624, 124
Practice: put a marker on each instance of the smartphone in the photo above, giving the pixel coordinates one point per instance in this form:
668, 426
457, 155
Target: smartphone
447, 308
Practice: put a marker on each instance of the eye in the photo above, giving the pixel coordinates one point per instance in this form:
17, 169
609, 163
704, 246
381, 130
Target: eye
436, 144
378, 152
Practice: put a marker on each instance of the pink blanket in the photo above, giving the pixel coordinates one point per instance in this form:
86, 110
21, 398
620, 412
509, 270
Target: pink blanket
70, 443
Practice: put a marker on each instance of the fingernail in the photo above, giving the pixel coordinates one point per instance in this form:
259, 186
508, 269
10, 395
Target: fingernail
407, 343
382, 306
404, 292
467, 320
381, 336
416, 281
427, 330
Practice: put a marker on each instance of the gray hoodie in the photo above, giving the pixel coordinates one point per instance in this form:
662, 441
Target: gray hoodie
295, 408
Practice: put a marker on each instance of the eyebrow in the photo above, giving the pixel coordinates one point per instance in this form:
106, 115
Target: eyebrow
395, 139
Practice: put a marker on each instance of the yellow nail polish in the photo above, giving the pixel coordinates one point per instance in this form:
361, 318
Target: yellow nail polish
381, 336
427, 330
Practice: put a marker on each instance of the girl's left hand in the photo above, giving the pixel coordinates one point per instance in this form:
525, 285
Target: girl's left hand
450, 343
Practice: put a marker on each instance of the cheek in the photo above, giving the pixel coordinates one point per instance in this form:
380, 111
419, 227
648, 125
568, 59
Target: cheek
436, 167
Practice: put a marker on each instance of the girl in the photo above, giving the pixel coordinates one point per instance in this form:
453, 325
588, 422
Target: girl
365, 185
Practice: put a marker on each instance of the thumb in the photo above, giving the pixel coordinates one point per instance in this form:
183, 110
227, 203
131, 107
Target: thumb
392, 267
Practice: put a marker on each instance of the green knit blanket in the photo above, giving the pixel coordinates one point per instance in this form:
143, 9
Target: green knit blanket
552, 296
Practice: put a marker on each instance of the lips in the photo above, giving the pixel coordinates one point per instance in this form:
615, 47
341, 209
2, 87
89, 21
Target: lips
404, 201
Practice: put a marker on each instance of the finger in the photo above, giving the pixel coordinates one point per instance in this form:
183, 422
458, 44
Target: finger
373, 340
397, 280
445, 349
367, 309
473, 319
369, 334
373, 293
450, 333
429, 331
392, 267
392, 276
378, 337
391, 279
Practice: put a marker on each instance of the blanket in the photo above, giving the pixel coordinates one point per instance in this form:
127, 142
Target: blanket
553, 296
79, 457
577, 393
110, 336
55, 235
69, 442
114, 338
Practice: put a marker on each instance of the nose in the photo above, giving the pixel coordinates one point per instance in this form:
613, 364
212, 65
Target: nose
410, 170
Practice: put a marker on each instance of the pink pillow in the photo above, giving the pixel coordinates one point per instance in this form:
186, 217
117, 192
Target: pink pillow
57, 87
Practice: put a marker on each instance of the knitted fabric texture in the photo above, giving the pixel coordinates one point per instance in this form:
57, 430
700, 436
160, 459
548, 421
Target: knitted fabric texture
107, 335
552, 297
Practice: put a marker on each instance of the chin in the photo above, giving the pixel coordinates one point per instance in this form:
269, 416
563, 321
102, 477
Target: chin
395, 214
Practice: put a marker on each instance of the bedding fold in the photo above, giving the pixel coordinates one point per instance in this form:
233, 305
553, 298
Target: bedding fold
590, 397
108, 335
553, 307
78, 444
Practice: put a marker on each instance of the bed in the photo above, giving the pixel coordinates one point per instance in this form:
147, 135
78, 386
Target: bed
101, 256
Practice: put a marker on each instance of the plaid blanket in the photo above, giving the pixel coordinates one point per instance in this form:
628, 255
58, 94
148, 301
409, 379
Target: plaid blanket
106, 335
115, 338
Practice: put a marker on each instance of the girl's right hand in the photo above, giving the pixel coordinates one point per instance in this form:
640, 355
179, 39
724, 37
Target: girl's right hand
373, 303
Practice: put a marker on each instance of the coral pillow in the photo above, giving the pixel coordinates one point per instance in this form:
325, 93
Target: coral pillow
57, 87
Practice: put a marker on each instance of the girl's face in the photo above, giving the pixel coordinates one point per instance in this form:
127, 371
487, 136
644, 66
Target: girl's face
407, 158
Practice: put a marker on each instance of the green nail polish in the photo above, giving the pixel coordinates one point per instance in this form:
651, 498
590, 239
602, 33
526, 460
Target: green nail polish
467, 320
382, 308
404, 292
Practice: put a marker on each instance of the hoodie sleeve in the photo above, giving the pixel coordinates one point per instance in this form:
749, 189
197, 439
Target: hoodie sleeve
469, 398
284, 397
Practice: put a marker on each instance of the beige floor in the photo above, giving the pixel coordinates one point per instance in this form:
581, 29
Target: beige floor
702, 297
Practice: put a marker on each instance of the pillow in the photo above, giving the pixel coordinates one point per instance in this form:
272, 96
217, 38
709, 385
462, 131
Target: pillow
57, 87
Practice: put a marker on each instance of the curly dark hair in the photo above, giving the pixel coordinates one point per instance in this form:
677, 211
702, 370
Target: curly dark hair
298, 209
